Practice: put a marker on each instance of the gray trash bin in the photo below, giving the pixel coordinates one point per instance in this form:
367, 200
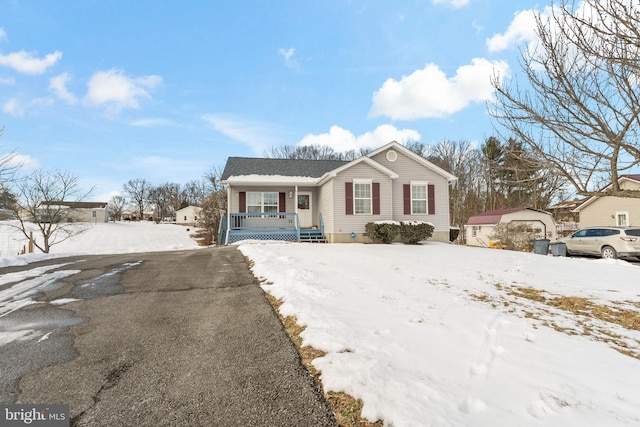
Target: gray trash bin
558, 249
541, 246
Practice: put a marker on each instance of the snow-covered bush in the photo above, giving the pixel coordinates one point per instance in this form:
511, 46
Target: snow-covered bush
382, 231
413, 232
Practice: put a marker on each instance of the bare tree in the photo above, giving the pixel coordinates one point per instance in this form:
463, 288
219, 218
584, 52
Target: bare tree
193, 192
40, 203
214, 205
312, 152
461, 159
138, 191
165, 198
580, 108
8, 166
116, 207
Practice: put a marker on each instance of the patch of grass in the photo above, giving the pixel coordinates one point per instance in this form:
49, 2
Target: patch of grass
202, 237
346, 409
628, 319
528, 293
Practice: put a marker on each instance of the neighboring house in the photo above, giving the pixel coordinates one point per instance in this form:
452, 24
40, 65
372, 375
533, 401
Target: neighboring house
189, 215
567, 219
332, 200
134, 215
612, 210
80, 211
481, 227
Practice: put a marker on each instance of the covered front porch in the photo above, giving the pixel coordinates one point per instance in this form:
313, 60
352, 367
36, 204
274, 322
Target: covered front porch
283, 226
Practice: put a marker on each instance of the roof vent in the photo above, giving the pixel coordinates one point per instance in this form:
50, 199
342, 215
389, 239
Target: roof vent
392, 156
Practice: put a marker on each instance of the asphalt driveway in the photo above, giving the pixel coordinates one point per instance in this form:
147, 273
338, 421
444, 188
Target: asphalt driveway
161, 339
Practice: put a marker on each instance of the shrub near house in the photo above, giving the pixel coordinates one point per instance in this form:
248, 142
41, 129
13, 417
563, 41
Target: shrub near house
411, 232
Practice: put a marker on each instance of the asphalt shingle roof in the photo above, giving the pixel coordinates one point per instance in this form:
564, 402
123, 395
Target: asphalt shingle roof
238, 166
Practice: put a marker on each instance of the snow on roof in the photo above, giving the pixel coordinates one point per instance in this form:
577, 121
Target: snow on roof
271, 179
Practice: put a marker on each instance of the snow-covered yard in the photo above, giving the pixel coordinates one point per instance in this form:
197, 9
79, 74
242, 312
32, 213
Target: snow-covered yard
438, 334
446, 335
101, 238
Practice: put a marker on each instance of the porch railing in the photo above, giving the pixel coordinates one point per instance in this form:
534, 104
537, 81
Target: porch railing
263, 226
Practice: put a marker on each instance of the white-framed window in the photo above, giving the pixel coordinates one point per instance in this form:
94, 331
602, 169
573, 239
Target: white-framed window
474, 231
362, 200
622, 219
260, 202
419, 195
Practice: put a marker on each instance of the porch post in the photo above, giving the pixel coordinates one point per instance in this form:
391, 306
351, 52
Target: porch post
228, 213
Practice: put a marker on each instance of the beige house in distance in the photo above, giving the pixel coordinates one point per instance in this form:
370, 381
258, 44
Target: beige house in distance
78, 211
188, 216
612, 210
479, 229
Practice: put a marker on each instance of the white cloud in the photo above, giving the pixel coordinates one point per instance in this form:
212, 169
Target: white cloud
343, 140
7, 81
430, 93
153, 122
13, 108
521, 30
58, 85
289, 60
259, 136
3, 34
26, 63
42, 102
118, 91
453, 3
22, 161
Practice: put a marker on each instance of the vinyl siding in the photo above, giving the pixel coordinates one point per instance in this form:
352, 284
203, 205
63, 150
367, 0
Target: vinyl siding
536, 219
602, 210
343, 223
326, 205
410, 170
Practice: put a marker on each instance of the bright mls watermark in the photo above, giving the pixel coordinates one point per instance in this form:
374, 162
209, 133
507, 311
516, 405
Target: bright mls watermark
34, 415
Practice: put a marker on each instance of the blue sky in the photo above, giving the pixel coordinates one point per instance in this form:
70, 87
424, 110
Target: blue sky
118, 90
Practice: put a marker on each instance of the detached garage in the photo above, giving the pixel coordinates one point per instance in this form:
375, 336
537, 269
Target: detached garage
481, 227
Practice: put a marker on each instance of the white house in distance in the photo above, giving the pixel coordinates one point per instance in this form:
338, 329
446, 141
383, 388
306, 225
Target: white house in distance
78, 211
481, 227
189, 215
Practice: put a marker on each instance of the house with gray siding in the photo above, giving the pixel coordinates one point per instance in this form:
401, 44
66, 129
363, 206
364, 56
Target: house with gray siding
333, 200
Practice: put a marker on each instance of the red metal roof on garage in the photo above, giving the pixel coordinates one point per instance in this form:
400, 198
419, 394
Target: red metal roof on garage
492, 217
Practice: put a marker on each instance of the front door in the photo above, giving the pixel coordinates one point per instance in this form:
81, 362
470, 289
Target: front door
304, 209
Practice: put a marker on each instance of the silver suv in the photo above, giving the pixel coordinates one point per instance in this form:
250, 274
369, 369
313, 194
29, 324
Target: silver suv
607, 242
